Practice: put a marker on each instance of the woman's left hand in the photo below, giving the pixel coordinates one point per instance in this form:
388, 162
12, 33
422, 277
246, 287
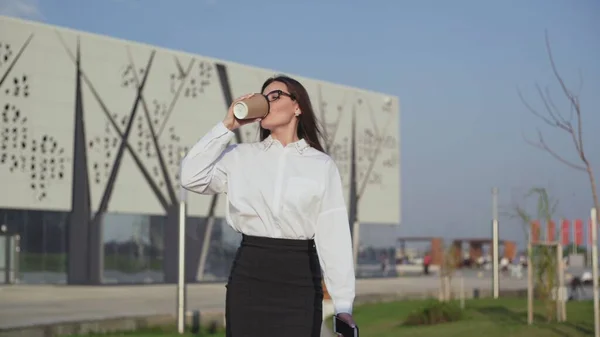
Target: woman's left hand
346, 317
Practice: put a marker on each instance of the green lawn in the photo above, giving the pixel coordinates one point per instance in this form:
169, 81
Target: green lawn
491, 318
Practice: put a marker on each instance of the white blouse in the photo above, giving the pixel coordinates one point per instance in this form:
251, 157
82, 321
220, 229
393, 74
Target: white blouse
292, 192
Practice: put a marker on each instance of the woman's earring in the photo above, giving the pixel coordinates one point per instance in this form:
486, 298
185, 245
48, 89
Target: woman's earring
297, 113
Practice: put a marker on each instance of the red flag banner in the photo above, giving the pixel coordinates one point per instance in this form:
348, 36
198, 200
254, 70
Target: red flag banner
578, 232
565, 230
535, 231
551, 236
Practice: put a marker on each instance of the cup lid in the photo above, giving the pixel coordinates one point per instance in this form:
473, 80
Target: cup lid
240, 110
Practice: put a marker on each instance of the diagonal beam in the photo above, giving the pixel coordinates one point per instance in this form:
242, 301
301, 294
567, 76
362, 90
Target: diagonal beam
177, 94
379, 136
353, 209
228, 97
79, 238
161, 160
17, 57
329, 138
115, 125
227, 94
373, 118
117, 164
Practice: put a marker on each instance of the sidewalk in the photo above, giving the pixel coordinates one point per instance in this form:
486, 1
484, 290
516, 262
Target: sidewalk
29, 305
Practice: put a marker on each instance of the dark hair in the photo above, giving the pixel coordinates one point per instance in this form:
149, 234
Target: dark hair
308, 127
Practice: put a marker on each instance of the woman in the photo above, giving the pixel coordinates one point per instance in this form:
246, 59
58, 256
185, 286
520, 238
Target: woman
285, 196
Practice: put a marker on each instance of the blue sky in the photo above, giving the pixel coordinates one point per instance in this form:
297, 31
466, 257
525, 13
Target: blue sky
455, 65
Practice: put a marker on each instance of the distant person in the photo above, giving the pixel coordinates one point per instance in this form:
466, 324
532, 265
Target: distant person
286, 197
480, 261
523, 261
467, 260
426, 263
384, 264
577, 291
504, 264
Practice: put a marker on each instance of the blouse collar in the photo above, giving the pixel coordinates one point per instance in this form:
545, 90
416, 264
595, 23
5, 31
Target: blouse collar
300, 145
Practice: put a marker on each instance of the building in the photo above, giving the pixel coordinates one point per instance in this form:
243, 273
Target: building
92, 133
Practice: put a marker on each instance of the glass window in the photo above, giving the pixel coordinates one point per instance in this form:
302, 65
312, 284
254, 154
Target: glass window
43, 250
223, 245
133, 248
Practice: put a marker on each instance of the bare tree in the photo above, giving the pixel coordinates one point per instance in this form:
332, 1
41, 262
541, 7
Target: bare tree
571, 124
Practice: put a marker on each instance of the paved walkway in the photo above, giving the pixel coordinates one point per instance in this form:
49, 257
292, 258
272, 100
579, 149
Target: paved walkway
25, 305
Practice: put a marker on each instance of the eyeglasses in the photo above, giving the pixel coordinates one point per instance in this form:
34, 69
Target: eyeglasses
276, 94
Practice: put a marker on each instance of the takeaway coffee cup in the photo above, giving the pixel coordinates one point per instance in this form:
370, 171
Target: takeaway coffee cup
255, 106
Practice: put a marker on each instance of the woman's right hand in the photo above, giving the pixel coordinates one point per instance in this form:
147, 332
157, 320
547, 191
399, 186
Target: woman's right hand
233, 123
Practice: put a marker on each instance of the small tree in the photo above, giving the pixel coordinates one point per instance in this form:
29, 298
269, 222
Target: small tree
542, 258
450, 261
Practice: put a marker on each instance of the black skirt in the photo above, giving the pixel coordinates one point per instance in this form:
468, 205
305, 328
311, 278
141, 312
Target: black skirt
274, 289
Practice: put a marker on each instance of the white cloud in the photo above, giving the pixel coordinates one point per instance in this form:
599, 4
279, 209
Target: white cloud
26, 9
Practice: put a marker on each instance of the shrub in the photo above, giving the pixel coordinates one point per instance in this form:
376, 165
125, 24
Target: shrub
435, 312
